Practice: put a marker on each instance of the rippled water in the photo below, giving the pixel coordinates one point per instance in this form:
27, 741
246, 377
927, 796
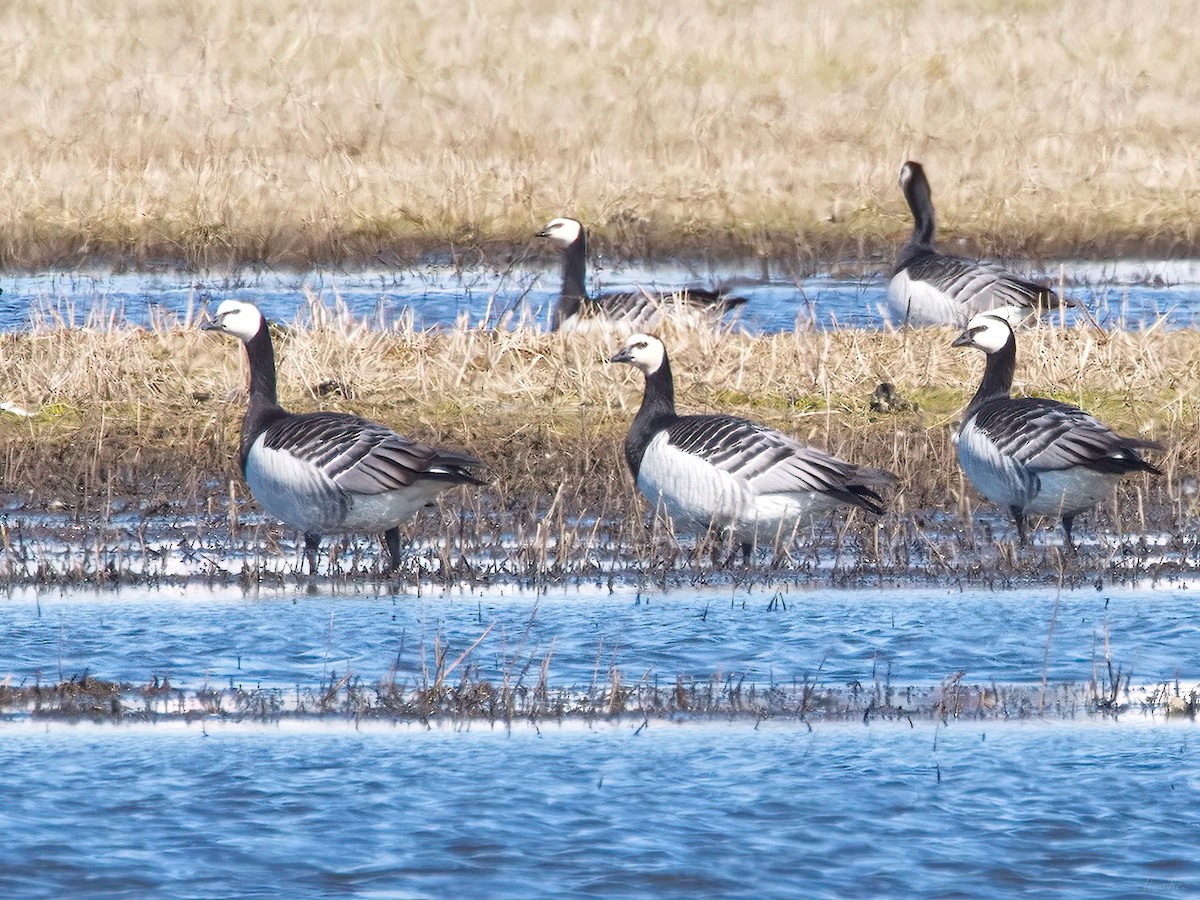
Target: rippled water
673, 810
683, 808
1119, 294
288, 637
1071, 804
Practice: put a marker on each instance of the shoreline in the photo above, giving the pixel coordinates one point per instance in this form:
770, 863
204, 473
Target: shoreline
822, 250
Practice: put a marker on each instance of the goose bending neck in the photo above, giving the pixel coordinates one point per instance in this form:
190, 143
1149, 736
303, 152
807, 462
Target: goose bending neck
997, 376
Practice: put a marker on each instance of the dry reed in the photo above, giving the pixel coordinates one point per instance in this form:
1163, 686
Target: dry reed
291, 132
143, 423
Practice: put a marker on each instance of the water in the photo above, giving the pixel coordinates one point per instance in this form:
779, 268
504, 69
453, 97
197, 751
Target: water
281, 638
676, 806
1069, 803
731, 810
1119, 294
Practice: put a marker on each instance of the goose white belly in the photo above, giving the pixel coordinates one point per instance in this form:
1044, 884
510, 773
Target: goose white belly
700, 495
919, 303
1008, 483
998, 477
294, 491
1070, 491
301, 495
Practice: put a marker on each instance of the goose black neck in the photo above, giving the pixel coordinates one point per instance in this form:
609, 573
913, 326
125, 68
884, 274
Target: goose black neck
657, 412
920, 201
997, 376
263, 406
261, 355
575, 267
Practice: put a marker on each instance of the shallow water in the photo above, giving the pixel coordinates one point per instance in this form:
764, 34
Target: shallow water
1072, 803
1118, 294
284, 638
1106, 810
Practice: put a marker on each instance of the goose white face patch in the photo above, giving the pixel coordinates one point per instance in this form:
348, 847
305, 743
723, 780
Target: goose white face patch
242, 320
989, 331
646, 352
563, 231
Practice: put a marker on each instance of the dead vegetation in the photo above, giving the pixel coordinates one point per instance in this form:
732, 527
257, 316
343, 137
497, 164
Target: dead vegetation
129, 457
288, 132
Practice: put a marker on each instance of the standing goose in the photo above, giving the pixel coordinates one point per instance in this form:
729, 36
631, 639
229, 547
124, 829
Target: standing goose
728, 474
328, 472
932, 288
626, 311
1032, 455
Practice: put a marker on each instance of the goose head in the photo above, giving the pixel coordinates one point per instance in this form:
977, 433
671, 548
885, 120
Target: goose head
909, 172
644, 351
562, 231
236, 317
987, 331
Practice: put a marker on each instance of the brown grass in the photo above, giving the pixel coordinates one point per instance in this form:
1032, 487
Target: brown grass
295, 132
146, 421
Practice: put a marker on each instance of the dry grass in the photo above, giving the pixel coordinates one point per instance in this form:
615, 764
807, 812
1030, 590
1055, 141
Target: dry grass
144, 422
292, 131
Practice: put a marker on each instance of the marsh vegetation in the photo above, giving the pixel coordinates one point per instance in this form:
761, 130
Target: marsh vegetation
295, 132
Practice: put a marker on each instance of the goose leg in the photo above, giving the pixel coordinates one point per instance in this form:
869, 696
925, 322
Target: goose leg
1020, 520
312, 541
1068, 523
391, 537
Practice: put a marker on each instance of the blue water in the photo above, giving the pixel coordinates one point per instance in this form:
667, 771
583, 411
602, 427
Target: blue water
283, 638
1074, 806
1128, 295
728, 810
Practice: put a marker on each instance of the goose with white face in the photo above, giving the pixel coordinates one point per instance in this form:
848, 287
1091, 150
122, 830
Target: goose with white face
242, 320
643, 351
989, 332
562, 231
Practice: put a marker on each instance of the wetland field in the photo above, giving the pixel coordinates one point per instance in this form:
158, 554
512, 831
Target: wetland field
554, 694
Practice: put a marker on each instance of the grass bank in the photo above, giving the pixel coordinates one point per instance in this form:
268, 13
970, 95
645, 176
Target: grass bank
144, 423
330, 131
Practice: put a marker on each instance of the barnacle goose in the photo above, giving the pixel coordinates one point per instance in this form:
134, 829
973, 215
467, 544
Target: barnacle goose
724, 473
627, 311
932, 288
1033, 455
329, 472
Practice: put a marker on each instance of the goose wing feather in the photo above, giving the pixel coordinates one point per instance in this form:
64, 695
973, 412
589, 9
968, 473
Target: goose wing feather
363, 457
979, 284
1046, 435
771, 462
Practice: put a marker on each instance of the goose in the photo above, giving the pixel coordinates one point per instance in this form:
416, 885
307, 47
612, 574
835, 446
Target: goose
1032, 455
626, 311
728, 474
932, 288
329, 472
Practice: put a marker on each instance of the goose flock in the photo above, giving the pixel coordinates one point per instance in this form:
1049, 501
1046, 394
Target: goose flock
742, 482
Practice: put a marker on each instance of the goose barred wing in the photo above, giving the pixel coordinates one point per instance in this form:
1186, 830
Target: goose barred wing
774, 463
362, 457
635, 307
1047, 435
980, 285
